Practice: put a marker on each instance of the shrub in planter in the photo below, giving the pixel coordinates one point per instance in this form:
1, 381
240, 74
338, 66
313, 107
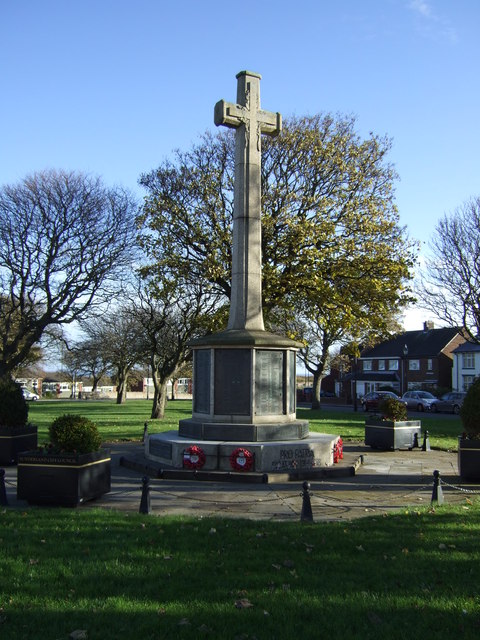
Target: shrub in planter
470, 412
15, 433
13, 406
68, 471
393, 409
469, 441
74, 434
392, 430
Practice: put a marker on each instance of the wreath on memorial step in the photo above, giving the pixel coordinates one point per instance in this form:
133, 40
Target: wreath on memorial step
194, 457
338, 451
241, 459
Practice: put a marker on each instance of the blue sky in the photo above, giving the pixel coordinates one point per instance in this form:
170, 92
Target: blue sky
111, 87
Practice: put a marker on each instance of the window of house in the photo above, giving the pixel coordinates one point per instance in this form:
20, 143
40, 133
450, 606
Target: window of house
367, 365
467, 381
429, 364
414, 365
393, 365
468, 360
381, 365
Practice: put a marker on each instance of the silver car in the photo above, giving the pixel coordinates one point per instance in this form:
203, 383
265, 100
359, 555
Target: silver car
419, 400
450, 402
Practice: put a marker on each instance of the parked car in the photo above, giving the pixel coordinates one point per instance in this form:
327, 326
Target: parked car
450, 402
373, 399
419, 400
28, 395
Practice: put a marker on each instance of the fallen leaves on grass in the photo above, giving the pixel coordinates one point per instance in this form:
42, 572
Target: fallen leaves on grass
243, 603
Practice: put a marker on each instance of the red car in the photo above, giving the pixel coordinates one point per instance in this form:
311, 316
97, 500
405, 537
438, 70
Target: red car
372, 400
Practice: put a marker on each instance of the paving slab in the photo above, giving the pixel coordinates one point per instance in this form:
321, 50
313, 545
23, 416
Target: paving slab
382, 482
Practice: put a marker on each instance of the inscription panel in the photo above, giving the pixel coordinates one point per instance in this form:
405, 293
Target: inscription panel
232, 381
160, 449
269, 374
201, 381
292, 379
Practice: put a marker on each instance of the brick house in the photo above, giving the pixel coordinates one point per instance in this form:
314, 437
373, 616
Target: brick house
412, 360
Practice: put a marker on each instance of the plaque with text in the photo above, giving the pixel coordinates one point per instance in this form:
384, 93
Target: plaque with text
160, 449
292, 381
232, 381
269, 373
201, 381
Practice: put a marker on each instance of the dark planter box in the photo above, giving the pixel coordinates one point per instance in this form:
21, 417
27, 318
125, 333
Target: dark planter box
469, 458
386, 434
13, 440
62, 480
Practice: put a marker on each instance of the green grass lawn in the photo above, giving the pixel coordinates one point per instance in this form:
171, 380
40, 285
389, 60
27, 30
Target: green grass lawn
411, 575
125, 422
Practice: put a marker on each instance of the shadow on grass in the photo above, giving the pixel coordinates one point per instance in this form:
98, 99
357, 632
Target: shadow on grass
117, 576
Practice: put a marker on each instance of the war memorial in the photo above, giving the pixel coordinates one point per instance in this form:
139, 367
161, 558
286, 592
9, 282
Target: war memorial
244, 378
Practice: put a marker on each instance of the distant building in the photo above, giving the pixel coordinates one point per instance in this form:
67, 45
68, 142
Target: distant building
466, 365
412, 360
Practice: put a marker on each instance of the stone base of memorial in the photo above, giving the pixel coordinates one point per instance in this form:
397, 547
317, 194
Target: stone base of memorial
62, 480
244, 410
469, 458
389, 434
172, 450
13, 440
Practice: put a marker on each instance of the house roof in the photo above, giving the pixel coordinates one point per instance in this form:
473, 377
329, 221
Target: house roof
467, 347
424, 343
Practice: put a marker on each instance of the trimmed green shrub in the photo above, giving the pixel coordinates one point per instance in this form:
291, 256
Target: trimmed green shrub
75, 434
470, 410
392, 409
13, 406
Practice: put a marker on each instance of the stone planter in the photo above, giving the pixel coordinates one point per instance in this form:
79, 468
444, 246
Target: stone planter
387, 434
469, 458
63, 480
13, 440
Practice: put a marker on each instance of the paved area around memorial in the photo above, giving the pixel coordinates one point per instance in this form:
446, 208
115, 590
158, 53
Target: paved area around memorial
365, 483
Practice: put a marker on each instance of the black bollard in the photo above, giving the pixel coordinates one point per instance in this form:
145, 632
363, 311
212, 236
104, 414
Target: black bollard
145, 431
437, 494
3, 490
145, 500
306, 515
415, 444
426, 442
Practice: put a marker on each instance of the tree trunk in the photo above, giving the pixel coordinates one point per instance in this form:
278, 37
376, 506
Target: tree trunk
122, 378
317, 387
159, 398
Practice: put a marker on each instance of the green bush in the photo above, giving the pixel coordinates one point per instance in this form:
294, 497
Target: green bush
75, 434
392, 409
470, 410
13, 406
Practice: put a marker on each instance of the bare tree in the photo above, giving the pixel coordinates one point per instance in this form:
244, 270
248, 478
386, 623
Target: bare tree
450, 282
171, 315
65, 240
118, 337
89, 358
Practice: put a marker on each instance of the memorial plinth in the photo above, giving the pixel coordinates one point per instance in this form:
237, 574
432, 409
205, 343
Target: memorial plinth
244, 388
244, 378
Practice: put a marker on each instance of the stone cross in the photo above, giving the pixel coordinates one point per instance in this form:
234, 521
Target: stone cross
250, 122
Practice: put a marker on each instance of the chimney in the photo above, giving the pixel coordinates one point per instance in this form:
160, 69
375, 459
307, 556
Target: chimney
428, 325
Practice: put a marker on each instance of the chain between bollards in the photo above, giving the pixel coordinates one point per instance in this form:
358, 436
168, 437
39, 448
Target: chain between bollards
145, 499
306, 515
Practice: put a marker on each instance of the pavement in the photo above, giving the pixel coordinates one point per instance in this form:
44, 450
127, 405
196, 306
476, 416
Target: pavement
366, 482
